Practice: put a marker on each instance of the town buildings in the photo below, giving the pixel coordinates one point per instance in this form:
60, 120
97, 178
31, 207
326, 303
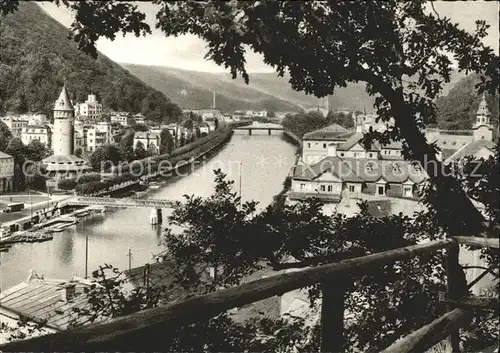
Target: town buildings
97, 135
63, 163
335, 162
41, 133
209, 113
6, 172
90, 110
122, 118
16, 124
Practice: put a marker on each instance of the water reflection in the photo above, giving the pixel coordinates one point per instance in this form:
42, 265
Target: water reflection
111, 234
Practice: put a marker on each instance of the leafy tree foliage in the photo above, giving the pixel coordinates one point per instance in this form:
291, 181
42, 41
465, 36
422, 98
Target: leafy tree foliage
342, 119
78, 152
167, 141
5, 136
126, 144
38, 59
188, 124
140, 151
303, 123
66, 184
36, 151
105, 156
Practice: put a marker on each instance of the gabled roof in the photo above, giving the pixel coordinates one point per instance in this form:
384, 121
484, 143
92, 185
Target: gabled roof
41, 300
471, 149
355, 139
63, 102
335, 165
371, 170
331, 132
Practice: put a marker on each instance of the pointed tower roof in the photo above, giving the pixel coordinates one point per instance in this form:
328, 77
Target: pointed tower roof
483, 107
63, 102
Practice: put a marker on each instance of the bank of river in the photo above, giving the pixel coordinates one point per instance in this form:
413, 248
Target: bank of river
264, 160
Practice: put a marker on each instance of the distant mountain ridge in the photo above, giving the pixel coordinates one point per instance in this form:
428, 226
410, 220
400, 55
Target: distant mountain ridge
37, 58
193, 89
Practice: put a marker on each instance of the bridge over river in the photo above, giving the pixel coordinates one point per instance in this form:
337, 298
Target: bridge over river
119, 202
156, 205
260, 127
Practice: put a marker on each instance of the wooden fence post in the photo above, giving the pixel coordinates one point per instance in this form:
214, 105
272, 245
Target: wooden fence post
332, 315
456, 282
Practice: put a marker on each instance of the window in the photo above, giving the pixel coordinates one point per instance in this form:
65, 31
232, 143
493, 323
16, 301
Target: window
380, 190
302, 186
408, 191
355, 154
370, 155
322, 188
330, 188
309, 145
342, 154
351, 188
324, 145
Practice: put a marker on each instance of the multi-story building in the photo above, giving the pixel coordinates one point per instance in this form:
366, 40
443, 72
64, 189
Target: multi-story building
80, 141
6, 172
140, 119
121, 118
15, 124
150, 140
41, 133
321, 143
90, 110
98, 135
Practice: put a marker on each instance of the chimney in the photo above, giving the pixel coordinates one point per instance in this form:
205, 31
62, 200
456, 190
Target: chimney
68, 292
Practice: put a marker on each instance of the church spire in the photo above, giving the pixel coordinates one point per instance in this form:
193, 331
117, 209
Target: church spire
483, 114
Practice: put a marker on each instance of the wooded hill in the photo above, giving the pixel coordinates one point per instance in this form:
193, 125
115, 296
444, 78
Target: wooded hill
37, 58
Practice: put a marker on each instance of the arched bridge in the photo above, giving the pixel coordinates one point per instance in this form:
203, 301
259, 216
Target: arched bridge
120, 202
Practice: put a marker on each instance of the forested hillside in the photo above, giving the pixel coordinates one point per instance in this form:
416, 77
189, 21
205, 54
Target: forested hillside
37, 58
458, 108
192, 89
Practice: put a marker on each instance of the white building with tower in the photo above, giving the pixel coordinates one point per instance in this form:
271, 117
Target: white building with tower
63, 163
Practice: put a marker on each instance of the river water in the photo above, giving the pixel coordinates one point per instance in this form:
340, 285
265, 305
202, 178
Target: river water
265, 162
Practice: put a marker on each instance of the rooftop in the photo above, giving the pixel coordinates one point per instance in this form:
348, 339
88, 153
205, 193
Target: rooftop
361, 170
48, 300
332, 132
4, 155
63, 102
471, 149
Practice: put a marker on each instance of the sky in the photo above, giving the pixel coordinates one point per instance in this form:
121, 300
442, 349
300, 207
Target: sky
187, 52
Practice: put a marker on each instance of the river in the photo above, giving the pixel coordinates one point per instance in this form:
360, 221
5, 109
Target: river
265, 162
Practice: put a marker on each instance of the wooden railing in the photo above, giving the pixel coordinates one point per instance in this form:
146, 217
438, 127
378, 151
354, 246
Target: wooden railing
153, 326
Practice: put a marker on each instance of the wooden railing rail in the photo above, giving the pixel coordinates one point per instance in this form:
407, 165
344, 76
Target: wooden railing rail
153, 324
111, 335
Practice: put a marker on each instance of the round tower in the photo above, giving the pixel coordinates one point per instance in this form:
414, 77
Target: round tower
482, 128
63, 134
